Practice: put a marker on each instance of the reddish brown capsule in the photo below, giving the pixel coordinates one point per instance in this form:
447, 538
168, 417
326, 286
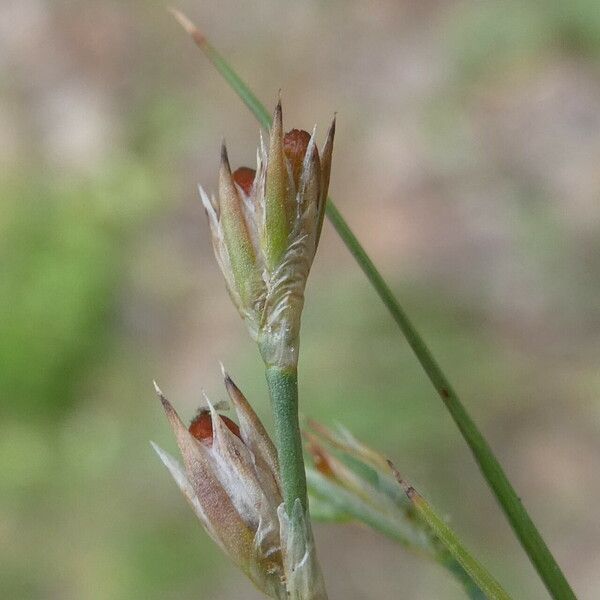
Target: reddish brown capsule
233, 486
244, 177
201, 427
295, 144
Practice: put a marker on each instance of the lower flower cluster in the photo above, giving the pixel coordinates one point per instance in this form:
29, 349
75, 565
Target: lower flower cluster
230, 477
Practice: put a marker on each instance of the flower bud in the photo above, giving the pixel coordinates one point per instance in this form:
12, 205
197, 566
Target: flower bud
265, 227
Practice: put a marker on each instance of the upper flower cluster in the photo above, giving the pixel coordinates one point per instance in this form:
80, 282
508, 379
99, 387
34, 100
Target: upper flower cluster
266, 226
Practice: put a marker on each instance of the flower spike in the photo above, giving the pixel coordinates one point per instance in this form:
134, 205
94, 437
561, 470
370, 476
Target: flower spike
232, 488
230, 478
265, 228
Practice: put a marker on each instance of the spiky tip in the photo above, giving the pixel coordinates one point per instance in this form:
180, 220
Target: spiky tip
189, 26
226, 377
331, 132
225, 157
230, 385
157, 389
278, 115
163, 399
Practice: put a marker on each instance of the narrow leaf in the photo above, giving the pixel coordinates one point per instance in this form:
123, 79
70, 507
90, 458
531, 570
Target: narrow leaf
395, 527
490, 587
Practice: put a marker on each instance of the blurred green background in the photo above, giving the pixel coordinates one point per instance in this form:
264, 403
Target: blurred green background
467, 161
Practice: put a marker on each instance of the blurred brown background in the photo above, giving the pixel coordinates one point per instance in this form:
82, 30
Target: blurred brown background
467, 161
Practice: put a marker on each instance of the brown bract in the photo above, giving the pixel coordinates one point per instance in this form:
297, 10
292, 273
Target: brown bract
230, 478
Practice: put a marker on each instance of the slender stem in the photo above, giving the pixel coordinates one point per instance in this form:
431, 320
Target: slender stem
522, 525
283, 389
511, 504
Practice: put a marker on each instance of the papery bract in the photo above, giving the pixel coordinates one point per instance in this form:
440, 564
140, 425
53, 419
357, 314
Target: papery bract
230, 476
265, 228
232, 483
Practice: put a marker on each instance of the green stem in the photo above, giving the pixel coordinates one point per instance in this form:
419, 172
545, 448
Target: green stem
283, 389
522, 525
511, 504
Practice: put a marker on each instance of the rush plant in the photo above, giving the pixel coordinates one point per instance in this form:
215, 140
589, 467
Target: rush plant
249, 493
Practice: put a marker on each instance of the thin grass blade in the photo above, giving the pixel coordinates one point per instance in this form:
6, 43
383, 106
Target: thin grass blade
486, 582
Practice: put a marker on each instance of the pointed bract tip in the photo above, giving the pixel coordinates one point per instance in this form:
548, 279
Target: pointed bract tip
278, 114
157, 449
166, 404
223, 371
312, 141
226, 377
230, 386
328, 148
225, 157
332, 126
157, 389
